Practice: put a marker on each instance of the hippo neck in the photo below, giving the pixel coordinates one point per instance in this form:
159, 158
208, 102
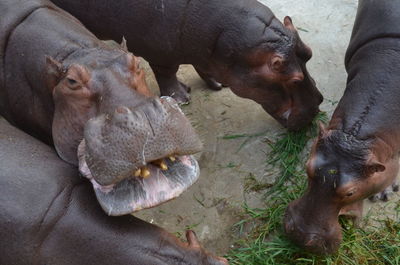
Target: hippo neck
199, 39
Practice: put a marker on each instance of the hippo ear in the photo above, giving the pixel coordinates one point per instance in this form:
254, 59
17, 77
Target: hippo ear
53, 67
373, 166
123, 44
54, 71
287, 21
277, 63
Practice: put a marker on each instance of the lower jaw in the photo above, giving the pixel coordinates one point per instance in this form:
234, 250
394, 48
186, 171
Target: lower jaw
135, 193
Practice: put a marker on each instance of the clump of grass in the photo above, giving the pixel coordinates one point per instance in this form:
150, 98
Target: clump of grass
267, 243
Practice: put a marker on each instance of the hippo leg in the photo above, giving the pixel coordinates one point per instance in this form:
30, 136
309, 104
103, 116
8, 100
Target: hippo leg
353, 211
386, 193
169, 83
210, 81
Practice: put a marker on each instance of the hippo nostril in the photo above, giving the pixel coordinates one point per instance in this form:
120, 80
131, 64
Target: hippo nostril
122, 110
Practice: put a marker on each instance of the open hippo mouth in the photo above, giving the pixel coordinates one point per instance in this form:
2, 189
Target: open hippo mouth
139, 158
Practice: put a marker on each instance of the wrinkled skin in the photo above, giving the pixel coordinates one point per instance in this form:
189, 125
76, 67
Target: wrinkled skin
48, 215
238, 43
358, 154
58, 76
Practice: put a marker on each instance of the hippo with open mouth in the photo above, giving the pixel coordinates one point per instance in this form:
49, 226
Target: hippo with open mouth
238, 43
49, 215
61, 84
357, 156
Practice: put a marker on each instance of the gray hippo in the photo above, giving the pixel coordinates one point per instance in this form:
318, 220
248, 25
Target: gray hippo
240, 43
48, 215
357, 155
61, 84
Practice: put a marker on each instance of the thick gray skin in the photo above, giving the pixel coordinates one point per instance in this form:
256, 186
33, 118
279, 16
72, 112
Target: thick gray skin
233, 41
49, 215
357, 155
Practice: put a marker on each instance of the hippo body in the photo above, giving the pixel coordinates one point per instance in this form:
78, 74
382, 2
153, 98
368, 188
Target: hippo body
48, 215
357, 155
239, 43
64, 86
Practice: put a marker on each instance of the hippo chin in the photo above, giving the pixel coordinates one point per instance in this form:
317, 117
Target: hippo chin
358, 154
63, 85
242, 45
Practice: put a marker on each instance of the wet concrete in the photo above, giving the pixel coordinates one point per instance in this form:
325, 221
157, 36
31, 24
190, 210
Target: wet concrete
213, 204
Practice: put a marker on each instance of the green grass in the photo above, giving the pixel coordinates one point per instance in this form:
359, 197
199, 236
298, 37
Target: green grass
266, 244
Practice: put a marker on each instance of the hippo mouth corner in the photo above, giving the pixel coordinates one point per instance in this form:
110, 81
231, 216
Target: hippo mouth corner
140, 191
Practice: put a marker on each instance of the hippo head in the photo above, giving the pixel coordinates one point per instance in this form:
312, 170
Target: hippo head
266, 62
342, 171
102, 105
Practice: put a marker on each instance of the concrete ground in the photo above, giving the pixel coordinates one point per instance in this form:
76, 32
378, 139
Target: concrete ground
213, 204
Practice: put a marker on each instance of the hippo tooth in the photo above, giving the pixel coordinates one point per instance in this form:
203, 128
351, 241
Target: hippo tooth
172, 158
161, 164
137, 172
145, 172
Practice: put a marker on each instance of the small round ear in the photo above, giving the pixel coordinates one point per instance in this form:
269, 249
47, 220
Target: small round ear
374, 166
132, 62
277, 63
54, 71
123, 44
287, 21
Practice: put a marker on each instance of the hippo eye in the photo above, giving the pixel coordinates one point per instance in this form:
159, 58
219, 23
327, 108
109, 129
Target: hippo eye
350, 193
72, 83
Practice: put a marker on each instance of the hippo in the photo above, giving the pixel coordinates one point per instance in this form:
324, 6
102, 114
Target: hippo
238, 43
48, 215
61, 84
357, 155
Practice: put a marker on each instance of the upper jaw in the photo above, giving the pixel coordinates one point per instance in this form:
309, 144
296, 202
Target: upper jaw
124, 141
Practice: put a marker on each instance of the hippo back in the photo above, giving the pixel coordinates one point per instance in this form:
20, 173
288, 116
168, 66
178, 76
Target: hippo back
375, 19
373, 63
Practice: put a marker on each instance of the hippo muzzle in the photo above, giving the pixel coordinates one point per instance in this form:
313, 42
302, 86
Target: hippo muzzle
320, 236
139, 157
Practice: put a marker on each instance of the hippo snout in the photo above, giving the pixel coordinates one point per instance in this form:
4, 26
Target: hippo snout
311, 234
138, 157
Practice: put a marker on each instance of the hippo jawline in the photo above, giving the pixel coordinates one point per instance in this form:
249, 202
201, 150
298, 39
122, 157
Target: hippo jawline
136, 193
